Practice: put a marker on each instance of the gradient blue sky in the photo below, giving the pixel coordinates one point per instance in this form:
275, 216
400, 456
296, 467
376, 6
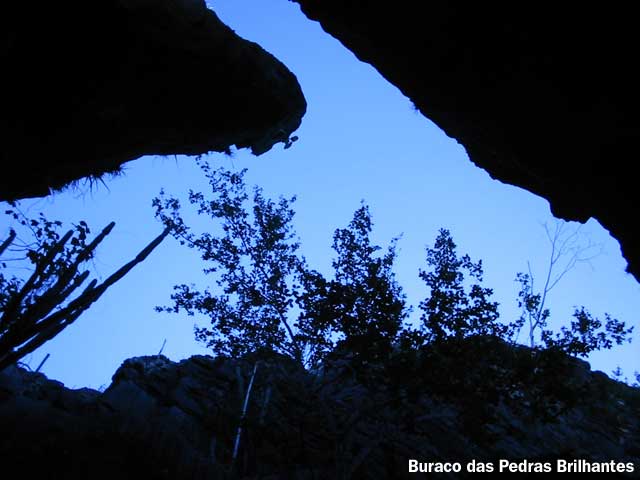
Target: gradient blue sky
360, 139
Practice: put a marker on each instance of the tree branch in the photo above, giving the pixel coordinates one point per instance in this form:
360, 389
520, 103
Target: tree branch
29, 332
4, 245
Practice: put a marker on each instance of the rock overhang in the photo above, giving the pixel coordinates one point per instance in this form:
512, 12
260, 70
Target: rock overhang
543, 98
90, 85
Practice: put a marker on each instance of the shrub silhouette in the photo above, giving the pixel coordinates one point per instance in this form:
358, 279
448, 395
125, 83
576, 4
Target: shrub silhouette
35, 310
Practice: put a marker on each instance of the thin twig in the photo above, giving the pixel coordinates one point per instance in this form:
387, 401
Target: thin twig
162, 347
42, 362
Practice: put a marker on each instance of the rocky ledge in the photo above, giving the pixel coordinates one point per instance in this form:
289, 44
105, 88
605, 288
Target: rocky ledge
161, 419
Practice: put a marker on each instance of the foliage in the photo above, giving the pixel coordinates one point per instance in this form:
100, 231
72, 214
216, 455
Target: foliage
587, 334
35, 310
452, 310
532, 308
567, 248
618, 374
363, 304
256, 263
316, 303
267, 296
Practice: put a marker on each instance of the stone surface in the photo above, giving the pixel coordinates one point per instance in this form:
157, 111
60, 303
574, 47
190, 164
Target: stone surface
87, 86
160, 419
543, 97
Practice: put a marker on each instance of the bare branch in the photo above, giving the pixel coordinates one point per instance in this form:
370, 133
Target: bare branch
8, 241
565, 244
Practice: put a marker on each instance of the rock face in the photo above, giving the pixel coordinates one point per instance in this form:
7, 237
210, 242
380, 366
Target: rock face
87, 86
161, 419
544, 98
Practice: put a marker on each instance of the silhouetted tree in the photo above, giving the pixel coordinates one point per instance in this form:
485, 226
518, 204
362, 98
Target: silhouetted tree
452, 309
362, 305
266, 296
567, 248
256, 261
35, 310
585, 333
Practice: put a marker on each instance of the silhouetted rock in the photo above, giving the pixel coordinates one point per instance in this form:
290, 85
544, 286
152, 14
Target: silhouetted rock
161, 419
545, 98
89, 85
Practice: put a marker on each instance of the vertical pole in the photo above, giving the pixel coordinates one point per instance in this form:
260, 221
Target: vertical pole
244, 414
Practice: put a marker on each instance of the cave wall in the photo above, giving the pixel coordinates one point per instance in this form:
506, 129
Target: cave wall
87, 86
165, 420
542, 96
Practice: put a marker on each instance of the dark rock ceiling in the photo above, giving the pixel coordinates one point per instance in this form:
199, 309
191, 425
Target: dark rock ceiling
87, 86
543, 97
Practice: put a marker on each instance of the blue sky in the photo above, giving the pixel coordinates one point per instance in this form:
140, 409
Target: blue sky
360, 139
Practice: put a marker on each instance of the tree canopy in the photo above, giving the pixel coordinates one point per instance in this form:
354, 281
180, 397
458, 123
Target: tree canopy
453, 309
266, 296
